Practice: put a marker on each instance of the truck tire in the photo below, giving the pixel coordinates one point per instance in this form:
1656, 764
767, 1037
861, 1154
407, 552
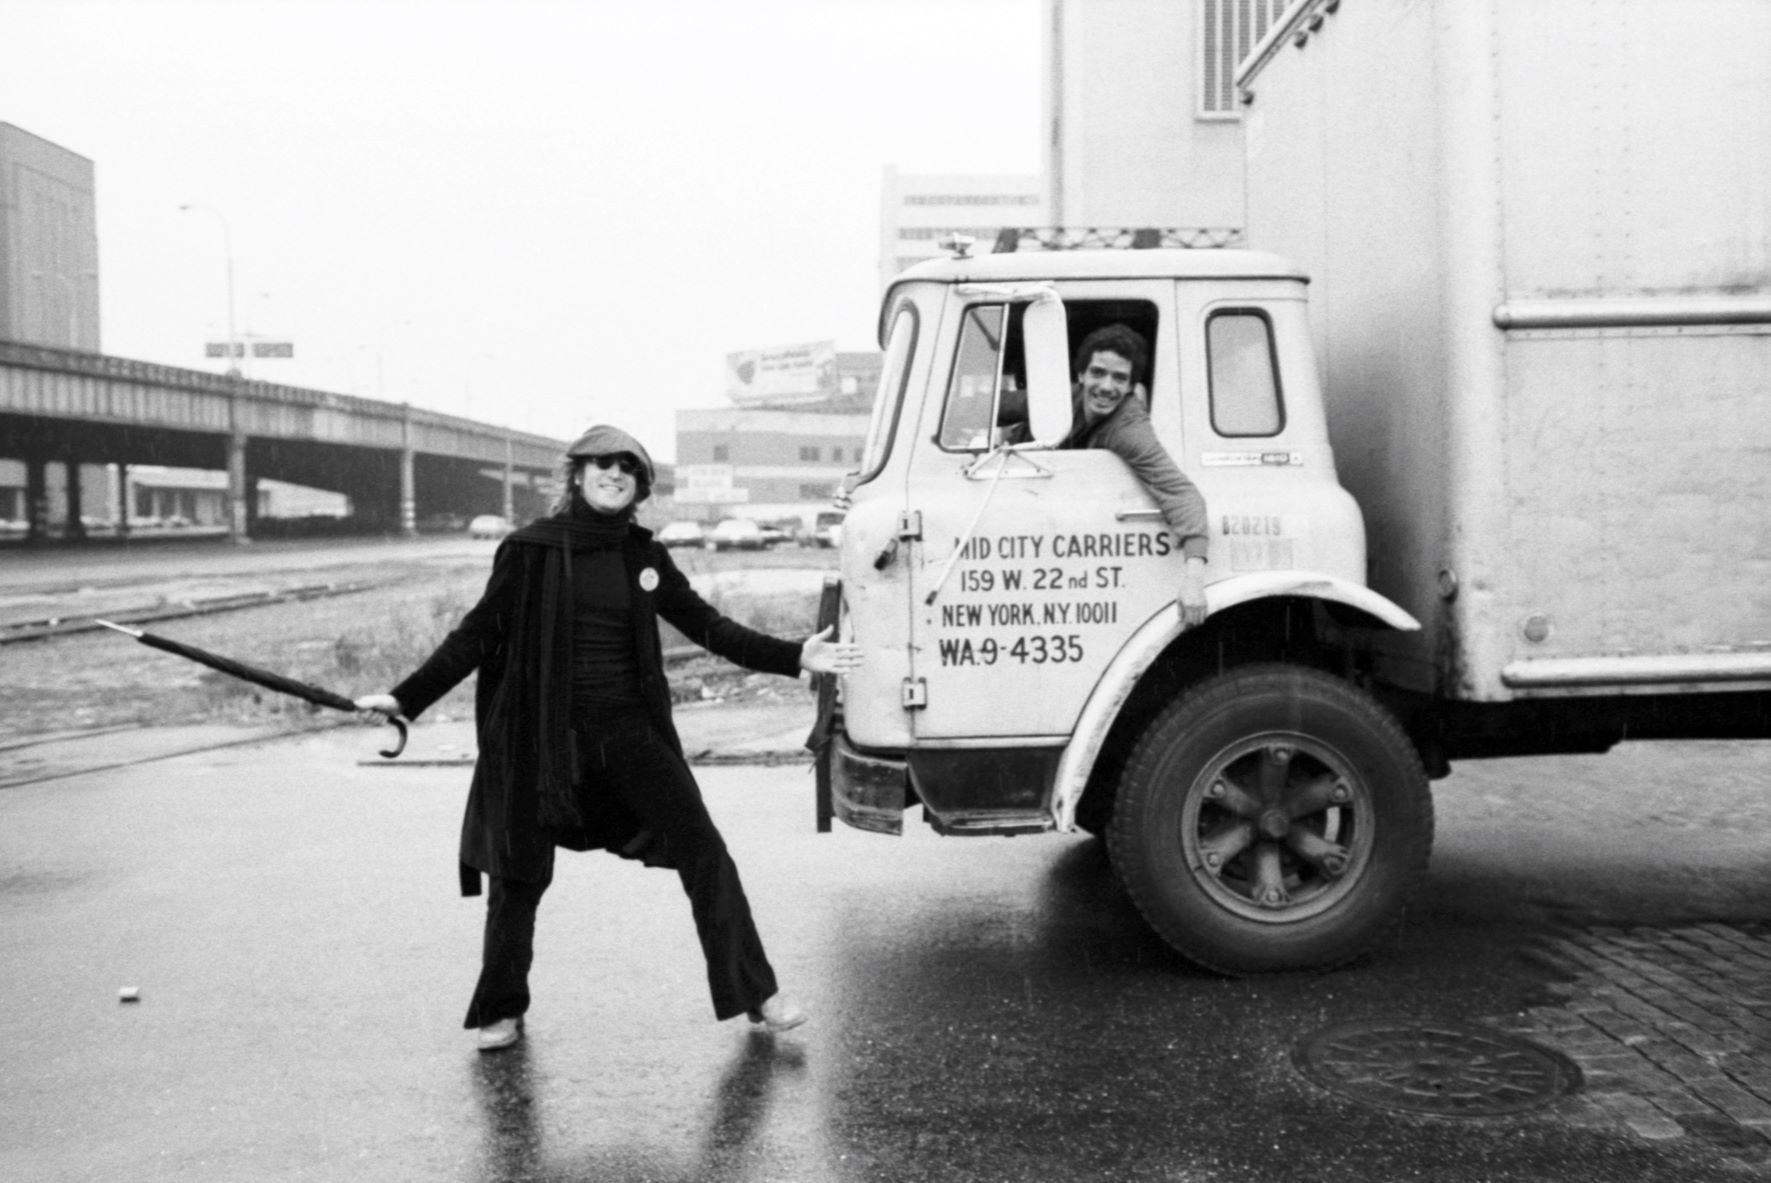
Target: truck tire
1272, 818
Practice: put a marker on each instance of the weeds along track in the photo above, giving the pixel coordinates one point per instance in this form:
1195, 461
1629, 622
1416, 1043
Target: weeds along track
359, 633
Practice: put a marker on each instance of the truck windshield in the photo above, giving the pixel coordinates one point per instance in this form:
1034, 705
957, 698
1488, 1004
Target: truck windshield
890, 395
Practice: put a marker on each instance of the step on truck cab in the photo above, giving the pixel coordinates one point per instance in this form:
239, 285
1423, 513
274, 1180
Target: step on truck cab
1026, 665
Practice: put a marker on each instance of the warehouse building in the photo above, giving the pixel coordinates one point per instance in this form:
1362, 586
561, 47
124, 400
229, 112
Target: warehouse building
796, 428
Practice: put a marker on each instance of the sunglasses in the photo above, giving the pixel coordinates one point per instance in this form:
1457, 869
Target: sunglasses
621, 460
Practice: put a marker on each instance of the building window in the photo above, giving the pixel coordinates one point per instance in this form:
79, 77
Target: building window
809, 453
815, 492
835, 455
1229, 31
721, 453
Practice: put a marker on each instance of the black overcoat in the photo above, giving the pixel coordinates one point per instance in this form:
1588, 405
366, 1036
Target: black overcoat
521, 702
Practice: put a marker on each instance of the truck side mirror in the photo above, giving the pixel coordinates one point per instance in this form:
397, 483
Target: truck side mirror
1046, 334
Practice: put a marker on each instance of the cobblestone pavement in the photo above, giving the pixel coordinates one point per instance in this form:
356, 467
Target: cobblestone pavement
1671, 1029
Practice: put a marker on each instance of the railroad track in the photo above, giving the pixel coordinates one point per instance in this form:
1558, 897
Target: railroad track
58, 626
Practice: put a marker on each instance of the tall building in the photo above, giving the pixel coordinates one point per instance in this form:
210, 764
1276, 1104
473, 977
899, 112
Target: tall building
1145, 123
917, 211
48, 244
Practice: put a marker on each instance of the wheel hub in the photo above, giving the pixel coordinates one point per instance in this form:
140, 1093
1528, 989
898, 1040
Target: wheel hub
1280, 827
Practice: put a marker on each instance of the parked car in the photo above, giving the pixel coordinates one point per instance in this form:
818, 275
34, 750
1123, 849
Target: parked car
489, 525
736, 534
442, 523
781, 532
683, 534
828, 530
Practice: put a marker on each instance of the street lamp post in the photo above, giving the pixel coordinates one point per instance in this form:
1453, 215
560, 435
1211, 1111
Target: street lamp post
227, 246
236, 443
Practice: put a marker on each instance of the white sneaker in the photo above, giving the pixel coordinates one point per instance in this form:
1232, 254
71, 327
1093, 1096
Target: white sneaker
779, 1013
500, 1035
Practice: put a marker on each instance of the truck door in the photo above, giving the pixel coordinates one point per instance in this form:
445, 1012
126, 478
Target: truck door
1033, 566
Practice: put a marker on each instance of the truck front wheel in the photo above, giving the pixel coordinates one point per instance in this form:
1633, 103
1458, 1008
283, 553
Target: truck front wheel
1273, 818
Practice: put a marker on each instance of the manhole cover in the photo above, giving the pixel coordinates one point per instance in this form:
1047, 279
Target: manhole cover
1451, 1069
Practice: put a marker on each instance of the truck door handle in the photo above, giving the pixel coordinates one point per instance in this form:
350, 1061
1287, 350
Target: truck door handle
1138, 515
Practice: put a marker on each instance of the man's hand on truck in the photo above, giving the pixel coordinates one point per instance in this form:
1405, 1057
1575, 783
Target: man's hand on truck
1192, 596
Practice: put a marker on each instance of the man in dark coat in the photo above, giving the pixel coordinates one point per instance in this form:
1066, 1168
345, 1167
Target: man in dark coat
577, 747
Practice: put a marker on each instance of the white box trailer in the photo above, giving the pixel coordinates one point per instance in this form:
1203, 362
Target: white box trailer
1539, 240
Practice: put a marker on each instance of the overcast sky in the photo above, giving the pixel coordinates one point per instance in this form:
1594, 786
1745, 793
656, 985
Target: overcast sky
538, 212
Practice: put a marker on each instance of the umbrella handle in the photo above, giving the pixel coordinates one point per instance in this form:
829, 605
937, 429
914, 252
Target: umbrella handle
399, 725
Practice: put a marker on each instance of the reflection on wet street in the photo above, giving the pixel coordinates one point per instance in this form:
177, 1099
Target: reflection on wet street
514, 1145
988, 1010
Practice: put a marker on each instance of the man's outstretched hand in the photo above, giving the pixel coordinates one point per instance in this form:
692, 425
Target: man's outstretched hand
822, 655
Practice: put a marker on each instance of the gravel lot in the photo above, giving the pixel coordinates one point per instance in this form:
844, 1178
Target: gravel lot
354, 643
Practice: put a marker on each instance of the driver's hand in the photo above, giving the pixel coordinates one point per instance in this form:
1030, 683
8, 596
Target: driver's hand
1192, 595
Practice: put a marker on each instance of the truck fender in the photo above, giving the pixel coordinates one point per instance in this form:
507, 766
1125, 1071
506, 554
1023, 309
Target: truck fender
1155, 635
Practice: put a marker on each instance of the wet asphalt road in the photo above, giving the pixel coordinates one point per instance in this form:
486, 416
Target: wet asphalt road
983, 1009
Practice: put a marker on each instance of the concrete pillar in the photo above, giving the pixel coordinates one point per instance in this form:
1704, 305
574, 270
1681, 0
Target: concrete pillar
76, 529
236, 494
123, 506
408, 479
235, 501
509, 467
36, 499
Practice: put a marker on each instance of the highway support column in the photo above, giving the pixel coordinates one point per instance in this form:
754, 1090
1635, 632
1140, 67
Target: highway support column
509, 468
236, 499
408, 478
36, 499
123, 506
75, 530
236, 495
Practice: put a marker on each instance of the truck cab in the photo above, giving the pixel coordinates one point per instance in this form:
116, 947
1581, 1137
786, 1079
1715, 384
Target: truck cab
1015, 600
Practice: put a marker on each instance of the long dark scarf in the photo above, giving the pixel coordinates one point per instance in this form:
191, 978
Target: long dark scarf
543, 642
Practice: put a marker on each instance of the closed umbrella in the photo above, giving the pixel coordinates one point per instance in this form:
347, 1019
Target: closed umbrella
258, 677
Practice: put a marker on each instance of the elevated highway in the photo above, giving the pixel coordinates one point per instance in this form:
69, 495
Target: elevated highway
396, 463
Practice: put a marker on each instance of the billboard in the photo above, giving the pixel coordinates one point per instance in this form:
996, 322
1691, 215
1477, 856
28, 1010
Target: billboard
708, 484
704, 476
259, 348
784, 374
712, 496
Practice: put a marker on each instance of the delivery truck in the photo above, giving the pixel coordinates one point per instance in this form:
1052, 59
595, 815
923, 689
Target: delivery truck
1484, 433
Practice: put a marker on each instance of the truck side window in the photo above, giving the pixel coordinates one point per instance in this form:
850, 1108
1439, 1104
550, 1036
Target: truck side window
1245, 395
970, 413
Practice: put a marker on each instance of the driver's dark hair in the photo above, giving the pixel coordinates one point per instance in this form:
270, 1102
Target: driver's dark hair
1113, 338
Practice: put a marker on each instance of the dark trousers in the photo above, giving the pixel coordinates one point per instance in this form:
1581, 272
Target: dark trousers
629, 759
